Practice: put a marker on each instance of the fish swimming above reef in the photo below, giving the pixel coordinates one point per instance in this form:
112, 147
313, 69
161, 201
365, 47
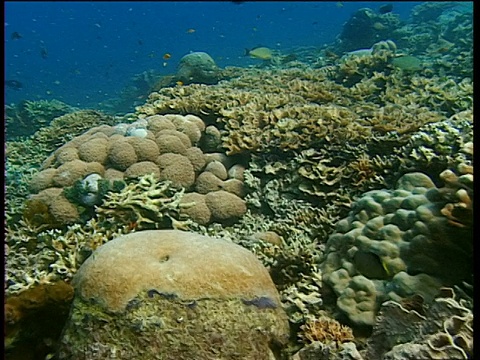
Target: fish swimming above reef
15, 36
13, 84
261, 52
384, 9
43, 52
407, 63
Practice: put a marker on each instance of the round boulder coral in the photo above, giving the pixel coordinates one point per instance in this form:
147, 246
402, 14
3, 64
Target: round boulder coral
142, 168
94, 150
69, 172
170, 144
198, 67
66, 154
196, 157
145, 149
173, 295
207, 182
193, 205
177, 169
42, 180
225, 207
56, 209
122, 155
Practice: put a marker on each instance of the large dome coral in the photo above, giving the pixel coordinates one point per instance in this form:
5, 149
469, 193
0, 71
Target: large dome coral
183, 294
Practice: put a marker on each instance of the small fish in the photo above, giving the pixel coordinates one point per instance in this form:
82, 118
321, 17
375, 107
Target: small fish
379, 26
331, 55
261, 52
190, 31
179, 83
384, 9
262, 302
140, 42
339, 4
166, 56
15, 36
43, 52
407, 63
13, 84
151, 55
169, 296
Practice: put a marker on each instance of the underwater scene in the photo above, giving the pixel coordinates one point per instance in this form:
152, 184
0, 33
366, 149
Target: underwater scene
238, 180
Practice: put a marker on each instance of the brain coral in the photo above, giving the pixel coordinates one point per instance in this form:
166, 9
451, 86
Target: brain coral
395, 244
164, 146
186, 295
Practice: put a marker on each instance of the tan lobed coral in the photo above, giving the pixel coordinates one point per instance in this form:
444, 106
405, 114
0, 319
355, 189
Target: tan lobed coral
183, 294
395, 244
129, 151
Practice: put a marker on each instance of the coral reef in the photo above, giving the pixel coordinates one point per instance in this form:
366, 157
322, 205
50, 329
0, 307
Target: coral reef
294, 109
316, 141
442, 145
183, 294
27, 117
24, 157
366, 27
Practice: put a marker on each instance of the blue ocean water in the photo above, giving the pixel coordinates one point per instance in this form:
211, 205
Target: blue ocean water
84, 53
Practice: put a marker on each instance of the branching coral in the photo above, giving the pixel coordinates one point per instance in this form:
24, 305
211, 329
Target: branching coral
146, 204
325, 330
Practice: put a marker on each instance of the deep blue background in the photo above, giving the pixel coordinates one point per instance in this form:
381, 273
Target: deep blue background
94, 48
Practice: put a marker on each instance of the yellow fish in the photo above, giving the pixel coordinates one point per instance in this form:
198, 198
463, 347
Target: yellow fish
262, 53
379, 26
